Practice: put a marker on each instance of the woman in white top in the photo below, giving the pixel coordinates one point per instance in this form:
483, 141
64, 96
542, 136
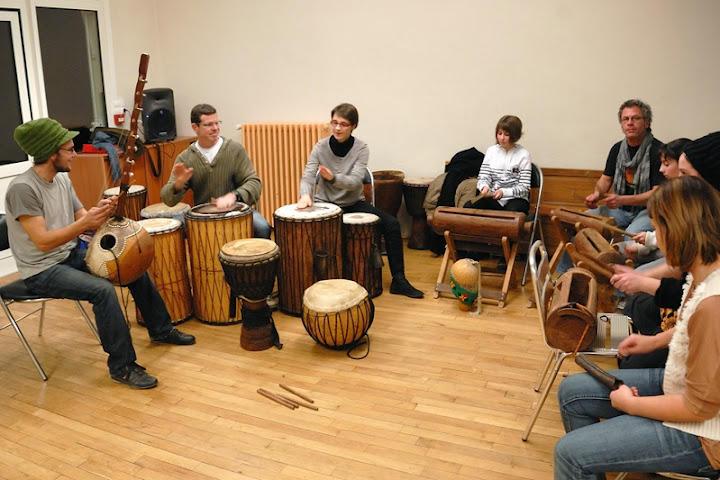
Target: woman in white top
661, 419
504, 178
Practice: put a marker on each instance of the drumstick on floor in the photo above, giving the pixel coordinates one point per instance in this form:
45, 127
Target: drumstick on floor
275, 398
295, 392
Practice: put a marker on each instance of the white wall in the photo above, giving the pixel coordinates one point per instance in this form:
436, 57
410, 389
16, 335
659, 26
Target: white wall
431, 78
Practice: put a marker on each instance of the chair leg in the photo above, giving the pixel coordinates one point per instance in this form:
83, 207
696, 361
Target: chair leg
87, 319
42, 318
20, 335
545, 369
543, 396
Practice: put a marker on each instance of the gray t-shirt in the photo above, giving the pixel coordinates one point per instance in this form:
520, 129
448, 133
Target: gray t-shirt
55, 201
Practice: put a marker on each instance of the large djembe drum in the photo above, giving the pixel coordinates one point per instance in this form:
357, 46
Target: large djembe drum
250, 267
310, 242
135, 202
362, 260
388, 190
414, 191
168, 269
208, 229
337, 313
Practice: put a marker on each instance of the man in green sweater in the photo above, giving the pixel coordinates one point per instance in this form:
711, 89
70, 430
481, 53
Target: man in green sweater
217, 170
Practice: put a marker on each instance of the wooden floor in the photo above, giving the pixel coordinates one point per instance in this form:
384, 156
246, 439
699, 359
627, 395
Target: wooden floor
442, 395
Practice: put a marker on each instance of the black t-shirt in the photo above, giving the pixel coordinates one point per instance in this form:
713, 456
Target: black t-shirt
656, 178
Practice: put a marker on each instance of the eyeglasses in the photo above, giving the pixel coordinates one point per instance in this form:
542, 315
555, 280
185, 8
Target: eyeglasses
632, 119
68, 149
342, 125
211, 124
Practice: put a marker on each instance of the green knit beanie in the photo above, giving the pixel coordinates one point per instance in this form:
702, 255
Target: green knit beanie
42, 137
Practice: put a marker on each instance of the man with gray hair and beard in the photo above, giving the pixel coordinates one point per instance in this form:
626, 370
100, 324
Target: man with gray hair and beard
632, 171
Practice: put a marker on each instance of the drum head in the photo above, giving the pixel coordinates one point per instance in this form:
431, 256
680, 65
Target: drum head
418, 181
249, 249
210, 211
336, 295
360, 218
317, 210
162, 210
134, 190
155, 226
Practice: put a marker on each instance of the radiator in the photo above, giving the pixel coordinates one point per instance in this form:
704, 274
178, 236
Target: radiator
279, 152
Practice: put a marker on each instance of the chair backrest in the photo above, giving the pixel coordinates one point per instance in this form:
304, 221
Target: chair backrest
541, 280
536, 187
4, 241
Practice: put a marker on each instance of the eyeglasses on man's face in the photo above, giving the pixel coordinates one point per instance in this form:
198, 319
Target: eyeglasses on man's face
70, 150
632, 119
211, 124
343, 125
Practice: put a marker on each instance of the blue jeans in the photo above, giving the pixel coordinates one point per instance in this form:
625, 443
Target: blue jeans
70, 279
261, 227
632, 223
620, 443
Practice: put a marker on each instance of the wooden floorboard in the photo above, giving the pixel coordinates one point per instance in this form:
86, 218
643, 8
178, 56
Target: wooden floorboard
442, 394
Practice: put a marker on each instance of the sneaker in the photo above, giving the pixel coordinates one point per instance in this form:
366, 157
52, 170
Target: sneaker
135, 376
400, 286
176, 337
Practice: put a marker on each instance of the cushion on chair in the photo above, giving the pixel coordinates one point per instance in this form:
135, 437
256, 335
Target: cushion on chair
18, 290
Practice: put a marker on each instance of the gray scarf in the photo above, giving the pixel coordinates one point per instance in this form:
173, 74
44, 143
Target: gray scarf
640, 161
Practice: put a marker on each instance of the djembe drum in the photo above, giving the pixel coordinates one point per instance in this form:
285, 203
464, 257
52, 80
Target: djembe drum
362, 260
388, 190
250, 267
168, 269
571, 322
135, 202
337, 313
414, 191
208, 229
310, 242
160, 210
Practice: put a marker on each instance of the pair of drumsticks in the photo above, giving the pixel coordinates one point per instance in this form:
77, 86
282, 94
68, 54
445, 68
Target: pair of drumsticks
286, 401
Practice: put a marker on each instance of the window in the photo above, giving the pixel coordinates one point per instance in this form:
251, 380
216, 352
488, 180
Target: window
60, 71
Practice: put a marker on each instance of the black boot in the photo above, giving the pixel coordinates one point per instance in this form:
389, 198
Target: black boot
400, 286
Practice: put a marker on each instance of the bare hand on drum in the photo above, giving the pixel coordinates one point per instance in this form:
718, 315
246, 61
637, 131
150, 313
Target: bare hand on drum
304, 202
226, 202
182, 174
325, 173
630, 281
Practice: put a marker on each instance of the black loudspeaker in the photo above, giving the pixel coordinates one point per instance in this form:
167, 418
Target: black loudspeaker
158, 115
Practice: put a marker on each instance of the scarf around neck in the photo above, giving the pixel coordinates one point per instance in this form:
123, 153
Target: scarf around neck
640, 161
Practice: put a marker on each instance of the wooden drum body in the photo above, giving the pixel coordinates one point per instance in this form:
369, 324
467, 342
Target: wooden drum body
571, 323
480, 224
337, 313
568, 222
388, 190
208, 229
362, 260
168, 269
310, 242
135, 202
414, 191
250, 266
592, 251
